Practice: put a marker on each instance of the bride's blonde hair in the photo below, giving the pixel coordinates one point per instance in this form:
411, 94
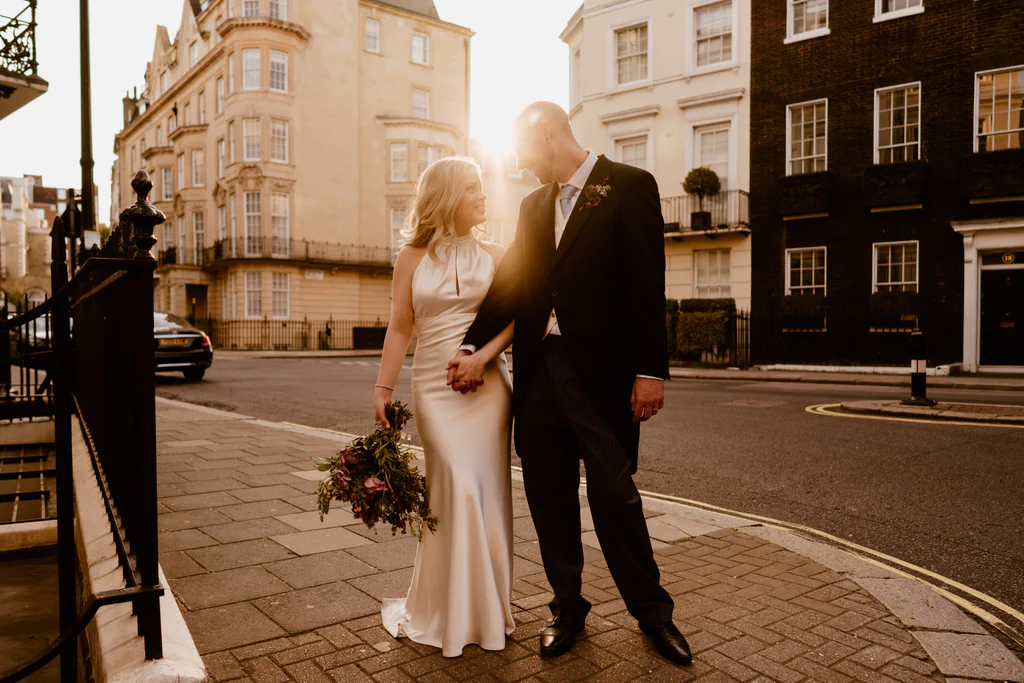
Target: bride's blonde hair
438, 195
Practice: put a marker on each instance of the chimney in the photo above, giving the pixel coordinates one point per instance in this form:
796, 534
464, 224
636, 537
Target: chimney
130, 108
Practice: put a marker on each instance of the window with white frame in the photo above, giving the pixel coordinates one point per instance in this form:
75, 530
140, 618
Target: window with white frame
434, 153
420, 48
166, 184
251, 69
253, 223
222, 223
198, 168
231, 142
226, 296
806, 17
888, 9
806, 271
250, 8
279, 228
221, 151
168, 242
631, 54
633, 151
420, 103
181, 171
198, 236
278, 71
220, 95
193, 53
163, 82
1000, 109
895, 267
898, 124
279, 141
279, 9
159, 136
281, 295
712, 150
713, 33
422, 159
231, 8
202, 107
399, 162
231, 73
181, 239
807, 137
253, 295
188, 113
398, 218
711, 278
251, 139
576, 88
172, 123
233, 219
372, 36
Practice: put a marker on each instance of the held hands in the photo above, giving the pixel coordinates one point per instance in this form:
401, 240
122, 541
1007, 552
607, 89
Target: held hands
466, 371
648, 398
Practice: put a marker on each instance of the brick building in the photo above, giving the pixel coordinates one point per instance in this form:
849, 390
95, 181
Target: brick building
887, 181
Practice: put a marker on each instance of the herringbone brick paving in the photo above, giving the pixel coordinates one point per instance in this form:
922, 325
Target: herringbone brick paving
270, 596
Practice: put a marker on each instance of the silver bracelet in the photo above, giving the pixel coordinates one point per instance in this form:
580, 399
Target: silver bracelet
384, 386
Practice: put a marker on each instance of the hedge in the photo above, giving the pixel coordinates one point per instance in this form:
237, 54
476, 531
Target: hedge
700, 332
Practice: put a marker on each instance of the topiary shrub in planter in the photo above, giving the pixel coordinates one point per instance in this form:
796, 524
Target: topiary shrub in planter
895, 310
701, 182
700, 332
803, 311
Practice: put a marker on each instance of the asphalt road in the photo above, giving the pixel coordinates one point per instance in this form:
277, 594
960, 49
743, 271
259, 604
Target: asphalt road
944, 497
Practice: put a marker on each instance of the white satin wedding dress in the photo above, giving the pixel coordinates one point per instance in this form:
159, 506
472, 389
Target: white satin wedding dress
461, 588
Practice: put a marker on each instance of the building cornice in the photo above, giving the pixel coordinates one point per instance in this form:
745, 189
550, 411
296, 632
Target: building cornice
574, 22
391, 121
225, 27
155, 151
391, 9
181, 131
988, 224
635, 112
710, 98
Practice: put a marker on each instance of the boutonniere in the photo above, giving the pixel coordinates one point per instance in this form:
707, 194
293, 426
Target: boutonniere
595, 193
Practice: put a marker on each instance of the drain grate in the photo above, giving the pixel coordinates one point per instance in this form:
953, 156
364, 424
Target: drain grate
27, 483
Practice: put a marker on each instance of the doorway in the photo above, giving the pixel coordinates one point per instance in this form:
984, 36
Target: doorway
1002, 316
195, 303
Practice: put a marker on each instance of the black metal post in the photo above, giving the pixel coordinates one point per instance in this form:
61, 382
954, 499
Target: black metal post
144, 218
918, 371
67, 556
88, 211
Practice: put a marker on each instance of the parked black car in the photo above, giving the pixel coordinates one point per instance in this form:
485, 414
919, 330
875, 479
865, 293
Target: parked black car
181, 346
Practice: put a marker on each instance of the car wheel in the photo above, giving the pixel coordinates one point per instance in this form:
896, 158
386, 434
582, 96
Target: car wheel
194, 374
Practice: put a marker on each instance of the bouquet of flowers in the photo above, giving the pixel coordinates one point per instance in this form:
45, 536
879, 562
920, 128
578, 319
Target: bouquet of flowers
375, 474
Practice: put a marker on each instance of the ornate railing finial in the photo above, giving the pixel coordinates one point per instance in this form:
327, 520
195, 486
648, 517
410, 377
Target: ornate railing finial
144, 217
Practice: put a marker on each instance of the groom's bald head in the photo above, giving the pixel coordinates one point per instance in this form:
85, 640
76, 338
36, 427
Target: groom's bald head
543, 134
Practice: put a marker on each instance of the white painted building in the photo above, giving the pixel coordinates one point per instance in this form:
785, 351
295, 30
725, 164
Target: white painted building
665, 85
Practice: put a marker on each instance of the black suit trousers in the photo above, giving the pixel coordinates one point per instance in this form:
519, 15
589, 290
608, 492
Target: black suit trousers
557, 427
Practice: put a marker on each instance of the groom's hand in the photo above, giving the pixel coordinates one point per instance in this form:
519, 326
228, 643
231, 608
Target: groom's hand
463, 376
648, 398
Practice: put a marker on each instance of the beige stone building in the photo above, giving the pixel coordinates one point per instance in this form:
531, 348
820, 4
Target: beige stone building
665, 85
284, 138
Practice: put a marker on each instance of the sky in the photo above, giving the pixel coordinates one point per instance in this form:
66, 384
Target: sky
517, 58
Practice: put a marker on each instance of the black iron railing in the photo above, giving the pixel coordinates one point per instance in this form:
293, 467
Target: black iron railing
106, 377
18, 42
26, 390
284, 248
294, 335
729, 209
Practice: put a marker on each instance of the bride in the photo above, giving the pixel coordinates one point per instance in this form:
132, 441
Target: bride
462, 582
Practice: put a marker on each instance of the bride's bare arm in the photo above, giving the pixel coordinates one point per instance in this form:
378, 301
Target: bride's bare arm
399, 335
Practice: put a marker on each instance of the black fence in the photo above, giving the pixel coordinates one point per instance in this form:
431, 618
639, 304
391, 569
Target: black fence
26, 390
729, 209
736, 351
294, 335
104, 374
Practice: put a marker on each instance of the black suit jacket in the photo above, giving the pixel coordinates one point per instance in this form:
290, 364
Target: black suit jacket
605, 281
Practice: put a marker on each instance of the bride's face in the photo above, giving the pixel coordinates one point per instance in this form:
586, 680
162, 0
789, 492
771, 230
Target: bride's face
473, 207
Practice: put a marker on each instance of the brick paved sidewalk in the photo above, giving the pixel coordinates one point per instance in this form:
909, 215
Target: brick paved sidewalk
271, 595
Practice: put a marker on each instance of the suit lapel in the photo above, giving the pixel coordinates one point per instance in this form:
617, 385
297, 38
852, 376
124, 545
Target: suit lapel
546, 225
580, 214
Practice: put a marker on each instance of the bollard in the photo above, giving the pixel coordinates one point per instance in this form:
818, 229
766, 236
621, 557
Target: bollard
918, 372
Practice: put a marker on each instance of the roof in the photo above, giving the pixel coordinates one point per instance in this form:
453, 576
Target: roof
424, 7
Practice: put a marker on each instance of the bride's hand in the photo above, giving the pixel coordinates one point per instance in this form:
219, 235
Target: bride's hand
467, 371
381, 397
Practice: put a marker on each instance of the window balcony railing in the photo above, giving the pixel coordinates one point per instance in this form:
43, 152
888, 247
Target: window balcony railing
990, 176
18, 42
728, 210
284, 248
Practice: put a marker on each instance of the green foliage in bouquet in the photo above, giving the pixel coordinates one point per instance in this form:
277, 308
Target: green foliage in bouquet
377, 477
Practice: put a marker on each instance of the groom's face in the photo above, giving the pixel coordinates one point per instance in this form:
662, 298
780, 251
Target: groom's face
534, 152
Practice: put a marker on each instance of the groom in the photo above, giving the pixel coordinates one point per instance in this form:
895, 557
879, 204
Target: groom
584, 282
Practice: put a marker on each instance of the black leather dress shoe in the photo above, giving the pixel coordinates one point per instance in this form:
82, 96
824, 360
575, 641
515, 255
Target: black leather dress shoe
560, 636
670, 643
